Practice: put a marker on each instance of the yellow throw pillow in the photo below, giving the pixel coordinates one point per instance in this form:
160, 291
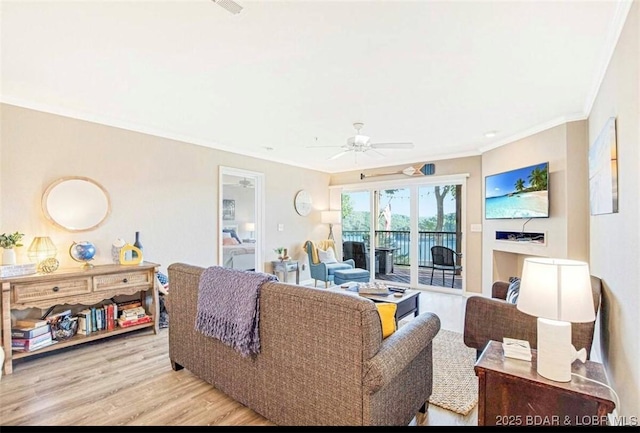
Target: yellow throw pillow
387, 312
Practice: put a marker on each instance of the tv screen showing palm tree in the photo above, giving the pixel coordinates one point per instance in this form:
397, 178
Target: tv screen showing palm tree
521, 193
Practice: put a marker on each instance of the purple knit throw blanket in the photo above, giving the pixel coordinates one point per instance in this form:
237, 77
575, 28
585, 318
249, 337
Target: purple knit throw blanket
228, 307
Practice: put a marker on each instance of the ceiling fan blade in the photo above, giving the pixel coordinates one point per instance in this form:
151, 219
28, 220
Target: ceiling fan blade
339, 154
229, 5
372, 152
392, 145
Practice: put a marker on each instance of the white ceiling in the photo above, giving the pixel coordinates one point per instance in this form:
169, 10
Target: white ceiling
282, 73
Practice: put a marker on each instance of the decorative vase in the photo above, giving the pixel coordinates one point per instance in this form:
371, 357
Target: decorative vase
115, 250
138, 245
8, 256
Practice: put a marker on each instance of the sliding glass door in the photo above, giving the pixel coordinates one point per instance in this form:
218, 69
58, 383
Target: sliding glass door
439, 225
357, 228
393, 234
408, 220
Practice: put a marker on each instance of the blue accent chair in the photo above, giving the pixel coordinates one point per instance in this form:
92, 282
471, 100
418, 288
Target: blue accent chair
325, 271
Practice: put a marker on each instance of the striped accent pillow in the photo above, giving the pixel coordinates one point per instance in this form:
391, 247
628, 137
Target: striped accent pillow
514, 290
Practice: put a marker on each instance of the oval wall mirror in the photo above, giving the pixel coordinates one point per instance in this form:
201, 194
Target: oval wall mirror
76, 203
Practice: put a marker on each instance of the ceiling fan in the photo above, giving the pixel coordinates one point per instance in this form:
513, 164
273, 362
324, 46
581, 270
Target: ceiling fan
238, 182
245, 183
229, 5
362, 143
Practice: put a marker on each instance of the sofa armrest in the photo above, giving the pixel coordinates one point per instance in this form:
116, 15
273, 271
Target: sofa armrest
499, 289
350, 262
399, 349
493, 319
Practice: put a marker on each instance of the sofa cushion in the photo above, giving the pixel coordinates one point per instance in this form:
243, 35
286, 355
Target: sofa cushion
387, 312
514, 290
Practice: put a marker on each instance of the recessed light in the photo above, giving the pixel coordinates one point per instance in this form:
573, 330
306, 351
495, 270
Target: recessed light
490, 134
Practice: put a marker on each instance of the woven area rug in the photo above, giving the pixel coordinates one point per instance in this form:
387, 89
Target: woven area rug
455, 385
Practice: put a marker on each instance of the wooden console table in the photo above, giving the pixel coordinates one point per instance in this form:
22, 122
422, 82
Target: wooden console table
76, 286
512, 393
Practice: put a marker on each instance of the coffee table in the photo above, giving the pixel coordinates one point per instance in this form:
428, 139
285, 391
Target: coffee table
405, 305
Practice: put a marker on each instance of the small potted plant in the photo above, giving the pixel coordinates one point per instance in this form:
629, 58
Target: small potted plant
8, 242
279, 251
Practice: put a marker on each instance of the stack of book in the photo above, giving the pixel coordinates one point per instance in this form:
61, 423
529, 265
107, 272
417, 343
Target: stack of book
7, 271
30, 334
132, 313
376, 288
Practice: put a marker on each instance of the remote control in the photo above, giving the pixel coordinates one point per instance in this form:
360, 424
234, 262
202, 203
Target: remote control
397, 289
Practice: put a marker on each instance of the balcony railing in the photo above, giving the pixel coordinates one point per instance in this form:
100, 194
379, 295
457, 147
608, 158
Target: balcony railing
401, 241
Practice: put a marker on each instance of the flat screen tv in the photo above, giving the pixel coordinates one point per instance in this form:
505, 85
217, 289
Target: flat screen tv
521, 193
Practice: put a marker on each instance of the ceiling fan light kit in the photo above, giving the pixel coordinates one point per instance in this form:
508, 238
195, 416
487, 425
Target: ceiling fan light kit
245, 183
361, 143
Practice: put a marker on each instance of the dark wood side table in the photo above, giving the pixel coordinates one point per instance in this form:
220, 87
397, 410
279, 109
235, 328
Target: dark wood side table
512, 393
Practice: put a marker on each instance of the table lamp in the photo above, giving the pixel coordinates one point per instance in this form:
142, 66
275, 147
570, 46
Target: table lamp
330, 217
41, 249
250, 227
557, 292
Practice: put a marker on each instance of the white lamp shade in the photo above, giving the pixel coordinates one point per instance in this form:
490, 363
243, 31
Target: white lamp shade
556, 289
250, 227
330, 216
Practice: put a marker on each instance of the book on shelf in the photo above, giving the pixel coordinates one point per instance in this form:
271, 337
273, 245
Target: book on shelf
57, 317
30, 332
126, 305
99, 319
109, 309
30, 323
17, 270
133, 313
123, 323
29, 344
84, 322
34, 347
94, 327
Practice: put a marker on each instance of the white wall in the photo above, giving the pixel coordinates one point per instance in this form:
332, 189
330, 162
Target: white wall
165, 189
568, 207
615, 238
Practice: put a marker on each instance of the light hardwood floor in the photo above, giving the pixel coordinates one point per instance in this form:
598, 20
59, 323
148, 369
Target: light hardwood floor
128, 380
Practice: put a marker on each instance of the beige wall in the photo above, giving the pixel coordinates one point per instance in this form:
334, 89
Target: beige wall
469, 165
615, 238
167, 190
568, 212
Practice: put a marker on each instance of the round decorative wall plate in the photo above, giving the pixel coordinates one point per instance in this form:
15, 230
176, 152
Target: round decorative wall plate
302, 203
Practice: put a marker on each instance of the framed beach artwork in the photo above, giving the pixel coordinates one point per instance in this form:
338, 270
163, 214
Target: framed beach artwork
228, 209
603, 171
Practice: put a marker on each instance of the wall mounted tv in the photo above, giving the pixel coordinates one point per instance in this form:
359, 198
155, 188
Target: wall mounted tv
521, 193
